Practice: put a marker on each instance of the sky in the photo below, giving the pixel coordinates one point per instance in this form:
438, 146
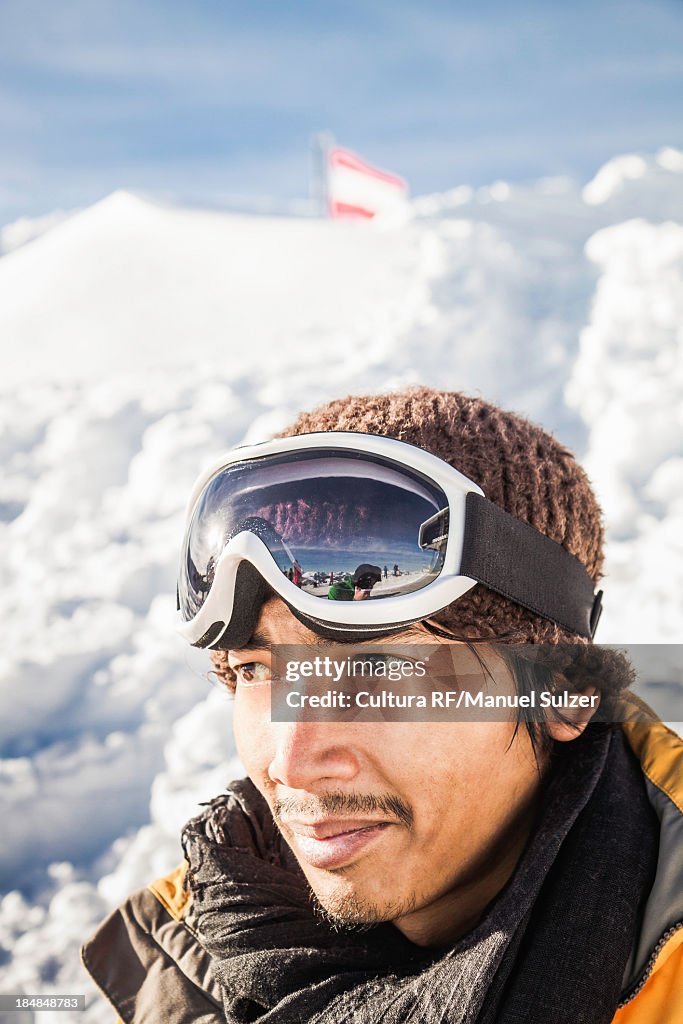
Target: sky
212, 101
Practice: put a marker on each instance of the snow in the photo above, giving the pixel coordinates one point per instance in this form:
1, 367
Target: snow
611, 177
140, 339
628, 385
25, 229
128, 281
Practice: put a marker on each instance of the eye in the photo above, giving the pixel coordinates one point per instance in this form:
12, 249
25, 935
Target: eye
370, 666
370, 659
252, 673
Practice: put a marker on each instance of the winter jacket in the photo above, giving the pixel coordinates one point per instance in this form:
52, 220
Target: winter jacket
342, 590
151, 967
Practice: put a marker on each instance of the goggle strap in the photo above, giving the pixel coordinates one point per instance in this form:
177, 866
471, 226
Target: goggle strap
527, 567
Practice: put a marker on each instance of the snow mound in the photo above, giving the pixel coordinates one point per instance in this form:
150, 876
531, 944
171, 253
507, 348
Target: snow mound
128, 282
612, 176
26, 229
628, 385
633, 185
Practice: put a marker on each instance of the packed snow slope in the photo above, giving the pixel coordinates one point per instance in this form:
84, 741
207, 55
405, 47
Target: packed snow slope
140, 339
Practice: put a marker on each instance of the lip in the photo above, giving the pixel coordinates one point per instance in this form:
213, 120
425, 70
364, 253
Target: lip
334, 842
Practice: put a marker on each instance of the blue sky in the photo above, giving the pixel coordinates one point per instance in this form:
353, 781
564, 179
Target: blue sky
209, 100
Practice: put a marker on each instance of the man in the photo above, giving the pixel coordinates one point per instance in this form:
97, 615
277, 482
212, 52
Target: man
364, 579
414, 870
356, 587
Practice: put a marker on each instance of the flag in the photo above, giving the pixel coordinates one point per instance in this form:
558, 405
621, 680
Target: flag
357, 189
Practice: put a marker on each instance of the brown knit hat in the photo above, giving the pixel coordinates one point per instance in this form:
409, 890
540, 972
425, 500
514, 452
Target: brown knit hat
518, 466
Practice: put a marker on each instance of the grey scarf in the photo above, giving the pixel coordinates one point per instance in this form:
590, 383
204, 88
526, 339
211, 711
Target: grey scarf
551, 947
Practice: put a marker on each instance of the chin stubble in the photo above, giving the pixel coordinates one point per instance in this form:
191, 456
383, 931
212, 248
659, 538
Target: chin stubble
351, 913
348, 911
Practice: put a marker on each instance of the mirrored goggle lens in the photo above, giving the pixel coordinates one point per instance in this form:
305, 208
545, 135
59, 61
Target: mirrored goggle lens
339, 525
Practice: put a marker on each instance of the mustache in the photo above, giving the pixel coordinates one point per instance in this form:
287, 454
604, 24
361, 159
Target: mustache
344, 804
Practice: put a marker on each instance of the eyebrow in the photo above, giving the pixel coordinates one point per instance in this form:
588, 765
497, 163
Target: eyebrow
258, 641
261, 640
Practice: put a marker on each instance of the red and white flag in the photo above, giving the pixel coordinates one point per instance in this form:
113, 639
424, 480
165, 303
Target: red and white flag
357, 189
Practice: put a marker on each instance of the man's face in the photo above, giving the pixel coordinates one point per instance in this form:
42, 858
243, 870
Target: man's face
419, 823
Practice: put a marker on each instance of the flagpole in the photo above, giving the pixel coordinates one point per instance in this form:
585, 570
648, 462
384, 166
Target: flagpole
321, 144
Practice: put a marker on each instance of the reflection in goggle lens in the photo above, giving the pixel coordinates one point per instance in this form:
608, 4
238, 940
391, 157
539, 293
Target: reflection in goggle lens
339, 525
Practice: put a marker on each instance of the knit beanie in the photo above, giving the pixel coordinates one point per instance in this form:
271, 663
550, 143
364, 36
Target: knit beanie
519, 466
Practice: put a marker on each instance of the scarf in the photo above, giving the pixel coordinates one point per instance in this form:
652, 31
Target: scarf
552, 946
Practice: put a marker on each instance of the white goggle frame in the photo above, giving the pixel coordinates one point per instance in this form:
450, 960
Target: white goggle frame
352, 616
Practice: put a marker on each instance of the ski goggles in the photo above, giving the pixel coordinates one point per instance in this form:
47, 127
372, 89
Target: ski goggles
360, 535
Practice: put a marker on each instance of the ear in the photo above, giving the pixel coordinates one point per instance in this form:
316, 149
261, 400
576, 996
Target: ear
567, 722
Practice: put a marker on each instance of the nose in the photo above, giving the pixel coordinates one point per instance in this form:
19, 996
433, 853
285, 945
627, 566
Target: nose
313, 755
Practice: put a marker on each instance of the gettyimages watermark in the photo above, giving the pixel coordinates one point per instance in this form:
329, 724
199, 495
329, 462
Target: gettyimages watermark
444, 682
